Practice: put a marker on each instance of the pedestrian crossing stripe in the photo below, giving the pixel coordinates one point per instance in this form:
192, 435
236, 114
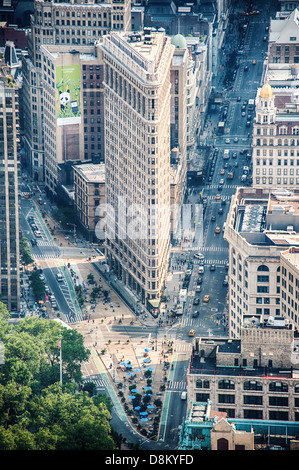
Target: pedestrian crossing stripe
99, 382
225, 186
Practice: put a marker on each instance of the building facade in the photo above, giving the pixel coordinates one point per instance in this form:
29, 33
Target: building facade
283, 46
73, 127
275, 155
137, 159
254, 377
89, 191
9, 202
260, 226
73, 25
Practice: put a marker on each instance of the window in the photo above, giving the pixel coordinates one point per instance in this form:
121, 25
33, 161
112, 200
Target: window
263, 289
226, 384
263, 268
202, 383
263, 279
253, 385
252, 400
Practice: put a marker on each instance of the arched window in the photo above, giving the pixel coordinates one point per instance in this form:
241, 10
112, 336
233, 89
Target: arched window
263, 267
226, 384
202, 383
278, 387
253, 385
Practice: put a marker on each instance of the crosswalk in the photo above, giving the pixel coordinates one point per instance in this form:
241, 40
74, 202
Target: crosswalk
99, 382
176, 385
225, 186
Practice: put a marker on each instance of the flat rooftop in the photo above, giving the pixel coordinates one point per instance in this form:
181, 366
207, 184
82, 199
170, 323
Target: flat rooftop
92, 173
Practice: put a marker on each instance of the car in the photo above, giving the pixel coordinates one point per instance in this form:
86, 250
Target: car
227, 141
212, 267
184, 394
265, 38
225, 282
217, 230
243, 107
206, 298
248, 123
198, 256
246, 68
198, 289
220, 186
253, 62
225, 165
38, 234
213, 218
222, 171
236, 139
195, 314
221, 181
220, 211
243, 114
188, 272
218, 197
59, 277
191, 332
223, 202
33, 242
234, 155
249, 117
199, 281
236, 164
239, 98
196, 301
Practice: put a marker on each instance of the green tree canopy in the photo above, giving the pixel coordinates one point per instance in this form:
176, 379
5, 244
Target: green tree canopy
36, 413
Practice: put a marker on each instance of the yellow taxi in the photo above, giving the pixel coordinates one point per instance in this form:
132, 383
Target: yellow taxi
217, 230
206, 298
217, 197
222, 171
26, 196
191, 332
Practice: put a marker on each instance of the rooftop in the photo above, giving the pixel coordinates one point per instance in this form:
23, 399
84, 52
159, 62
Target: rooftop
92, 173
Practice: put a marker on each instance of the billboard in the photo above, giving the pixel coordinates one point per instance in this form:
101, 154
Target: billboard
68, 94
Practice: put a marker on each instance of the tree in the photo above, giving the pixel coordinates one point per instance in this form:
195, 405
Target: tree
36, 413
38, 285
26, 255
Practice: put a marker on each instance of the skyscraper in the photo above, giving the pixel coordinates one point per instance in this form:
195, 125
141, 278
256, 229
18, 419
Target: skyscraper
60, 26
137, 159
9, 205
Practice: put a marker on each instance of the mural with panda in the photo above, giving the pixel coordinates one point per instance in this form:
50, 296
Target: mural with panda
68, 94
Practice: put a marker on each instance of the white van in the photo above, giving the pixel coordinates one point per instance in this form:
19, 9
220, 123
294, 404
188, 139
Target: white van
226, 154
59, 277
184, 396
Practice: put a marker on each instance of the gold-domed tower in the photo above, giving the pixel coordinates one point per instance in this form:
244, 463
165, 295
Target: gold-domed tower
266, 91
